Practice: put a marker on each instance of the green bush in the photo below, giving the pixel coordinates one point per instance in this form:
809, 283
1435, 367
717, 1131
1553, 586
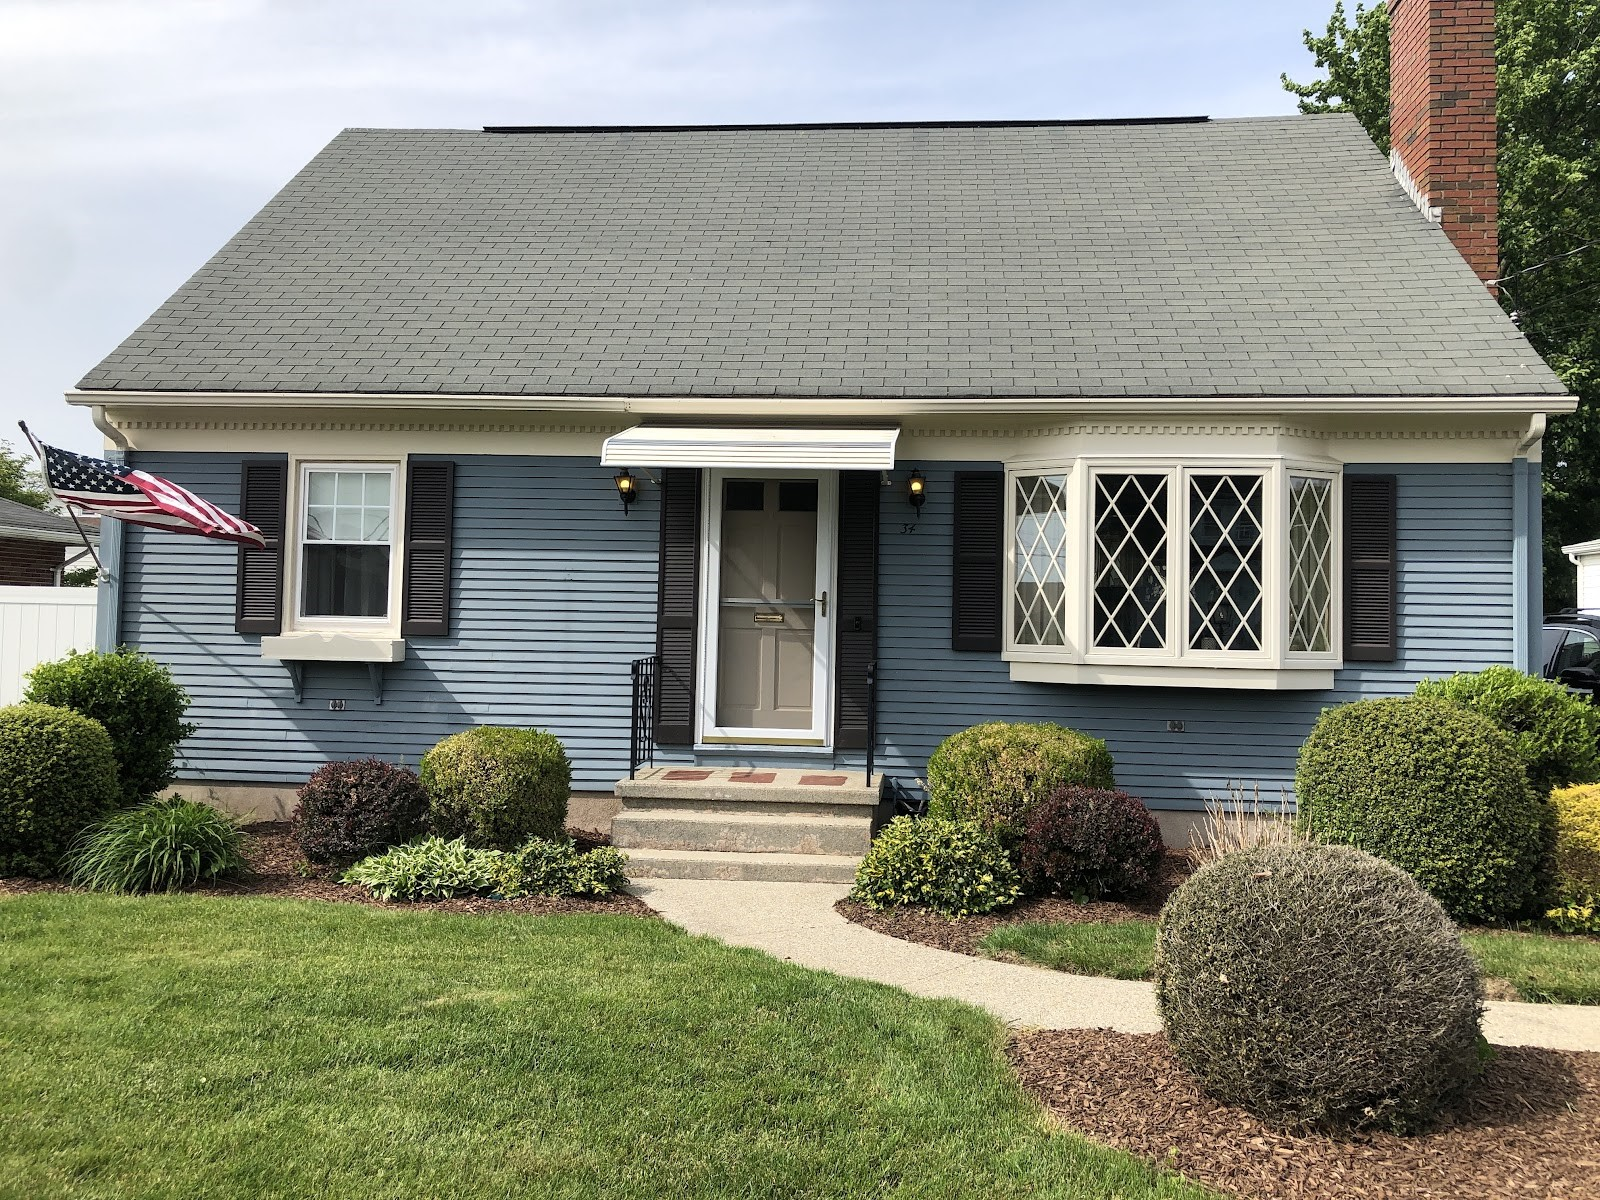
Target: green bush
952, 867
161, 846
58, 774
993, 774
137, 701
432, 869
559, 868
1554, 731
1317, 985
497, 787
1435, 789
1576, 906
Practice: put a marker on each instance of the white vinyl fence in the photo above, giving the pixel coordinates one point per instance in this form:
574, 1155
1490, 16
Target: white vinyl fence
38, 624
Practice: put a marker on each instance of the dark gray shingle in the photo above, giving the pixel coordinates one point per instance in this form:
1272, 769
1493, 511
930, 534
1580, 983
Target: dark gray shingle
1272, 256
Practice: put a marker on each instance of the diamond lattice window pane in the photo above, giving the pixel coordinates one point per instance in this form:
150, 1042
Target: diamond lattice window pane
1310, 563
1225, 562
1039, 613
1130, 561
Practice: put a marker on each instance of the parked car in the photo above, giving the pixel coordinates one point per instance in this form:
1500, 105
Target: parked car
1571, 649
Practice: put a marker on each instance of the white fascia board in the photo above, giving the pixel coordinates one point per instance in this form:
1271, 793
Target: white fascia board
854, 407
759, 448
1582, 547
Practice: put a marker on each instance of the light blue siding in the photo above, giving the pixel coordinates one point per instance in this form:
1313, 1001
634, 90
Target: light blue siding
1455, 595
555, 593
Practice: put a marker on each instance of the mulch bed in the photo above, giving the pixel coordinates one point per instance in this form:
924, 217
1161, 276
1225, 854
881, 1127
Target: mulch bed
963, 934
1529, 1128
275, 867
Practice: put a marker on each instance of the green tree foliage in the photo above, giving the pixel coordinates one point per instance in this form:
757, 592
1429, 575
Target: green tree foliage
19, 478
1548, 73
1356, 57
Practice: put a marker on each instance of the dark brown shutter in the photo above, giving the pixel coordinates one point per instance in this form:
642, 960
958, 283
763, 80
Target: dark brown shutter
430, 519
263, 501
855, 606
677, 601
1370, 617
978, 566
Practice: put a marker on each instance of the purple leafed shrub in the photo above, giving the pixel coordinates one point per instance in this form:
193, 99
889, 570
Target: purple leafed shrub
1089, 842
352, 809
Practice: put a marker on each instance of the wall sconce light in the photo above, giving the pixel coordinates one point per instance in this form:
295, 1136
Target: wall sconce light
627, 488
917, 490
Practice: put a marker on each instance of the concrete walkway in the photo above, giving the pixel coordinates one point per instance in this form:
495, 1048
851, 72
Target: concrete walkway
796, 922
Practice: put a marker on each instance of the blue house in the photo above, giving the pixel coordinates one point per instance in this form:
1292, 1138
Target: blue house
770, 447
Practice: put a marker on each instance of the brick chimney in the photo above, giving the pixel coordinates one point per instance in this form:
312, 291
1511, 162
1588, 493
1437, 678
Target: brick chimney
1442, 119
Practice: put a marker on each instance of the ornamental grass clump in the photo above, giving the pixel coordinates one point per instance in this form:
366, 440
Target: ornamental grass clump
993, 774
1554, 732
1436, 789
161, 846
953, 867
1318, 986
432, 869
351, 809
58, 774
137, 701
497, 787
1089, 843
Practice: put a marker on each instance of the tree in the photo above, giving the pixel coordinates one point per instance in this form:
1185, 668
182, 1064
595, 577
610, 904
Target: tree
1548, 76
1356, 58
19, 480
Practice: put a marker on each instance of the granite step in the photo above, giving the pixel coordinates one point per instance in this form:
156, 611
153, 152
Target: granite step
742, 832
718, 864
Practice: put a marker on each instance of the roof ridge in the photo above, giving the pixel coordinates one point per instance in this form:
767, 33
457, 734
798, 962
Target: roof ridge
775, 125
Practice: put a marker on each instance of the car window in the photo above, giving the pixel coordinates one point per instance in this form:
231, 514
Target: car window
1554, 635
1578, 649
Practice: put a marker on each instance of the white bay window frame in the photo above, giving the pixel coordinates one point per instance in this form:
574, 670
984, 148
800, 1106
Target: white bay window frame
1175, 663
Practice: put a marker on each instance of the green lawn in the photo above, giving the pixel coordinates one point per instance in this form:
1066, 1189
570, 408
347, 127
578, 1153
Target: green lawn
1542, 967
201, 1047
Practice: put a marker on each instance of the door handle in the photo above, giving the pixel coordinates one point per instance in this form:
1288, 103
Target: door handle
823, 600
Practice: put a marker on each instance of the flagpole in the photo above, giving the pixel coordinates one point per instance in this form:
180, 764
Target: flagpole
87, 544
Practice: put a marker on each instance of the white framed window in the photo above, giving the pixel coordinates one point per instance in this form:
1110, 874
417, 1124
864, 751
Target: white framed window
1162, 570
346, 559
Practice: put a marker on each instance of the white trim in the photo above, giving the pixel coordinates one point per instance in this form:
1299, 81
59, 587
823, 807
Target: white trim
706, 729
1150, 675
858, 407
333, 647
387, 626
762, 447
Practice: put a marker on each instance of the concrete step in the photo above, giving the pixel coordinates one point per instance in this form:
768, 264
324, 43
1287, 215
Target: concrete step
833, 790
765, 868
766, 832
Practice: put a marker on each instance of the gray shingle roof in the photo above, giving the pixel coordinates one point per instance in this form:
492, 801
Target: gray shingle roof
18, 520
1272, 256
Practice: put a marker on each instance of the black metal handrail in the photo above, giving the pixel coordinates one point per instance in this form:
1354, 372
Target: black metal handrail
642, 733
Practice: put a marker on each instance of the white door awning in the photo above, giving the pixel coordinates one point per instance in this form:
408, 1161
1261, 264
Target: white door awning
751, 446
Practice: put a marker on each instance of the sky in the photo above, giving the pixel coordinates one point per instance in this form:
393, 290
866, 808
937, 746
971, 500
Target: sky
136, 136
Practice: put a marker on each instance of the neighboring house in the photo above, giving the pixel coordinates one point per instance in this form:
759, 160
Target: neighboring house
1212, 428
35, 546
1585, 556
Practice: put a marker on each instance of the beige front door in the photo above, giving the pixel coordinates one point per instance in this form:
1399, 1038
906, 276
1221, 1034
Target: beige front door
771, 605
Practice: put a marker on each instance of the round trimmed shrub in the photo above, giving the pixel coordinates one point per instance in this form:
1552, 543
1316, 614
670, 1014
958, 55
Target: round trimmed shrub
953, 867
137, 701
162, 846
57, 775
1317, 985
1435, 789
497, 787
352, 809
993, 774
1577, 817
1089, 842
1555, 732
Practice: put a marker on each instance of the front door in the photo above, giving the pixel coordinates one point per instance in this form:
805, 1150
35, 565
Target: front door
770, 560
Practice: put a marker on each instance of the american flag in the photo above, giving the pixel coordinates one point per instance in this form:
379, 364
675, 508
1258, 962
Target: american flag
125, 494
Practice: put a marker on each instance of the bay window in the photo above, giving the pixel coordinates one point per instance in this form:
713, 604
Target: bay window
1144, 566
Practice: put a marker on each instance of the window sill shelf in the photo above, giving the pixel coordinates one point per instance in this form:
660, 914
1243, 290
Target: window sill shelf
1239, 678
295, 650
333, 647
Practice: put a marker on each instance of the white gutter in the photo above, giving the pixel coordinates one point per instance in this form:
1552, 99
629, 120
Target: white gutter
859, 407
1536, 427
97, 414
